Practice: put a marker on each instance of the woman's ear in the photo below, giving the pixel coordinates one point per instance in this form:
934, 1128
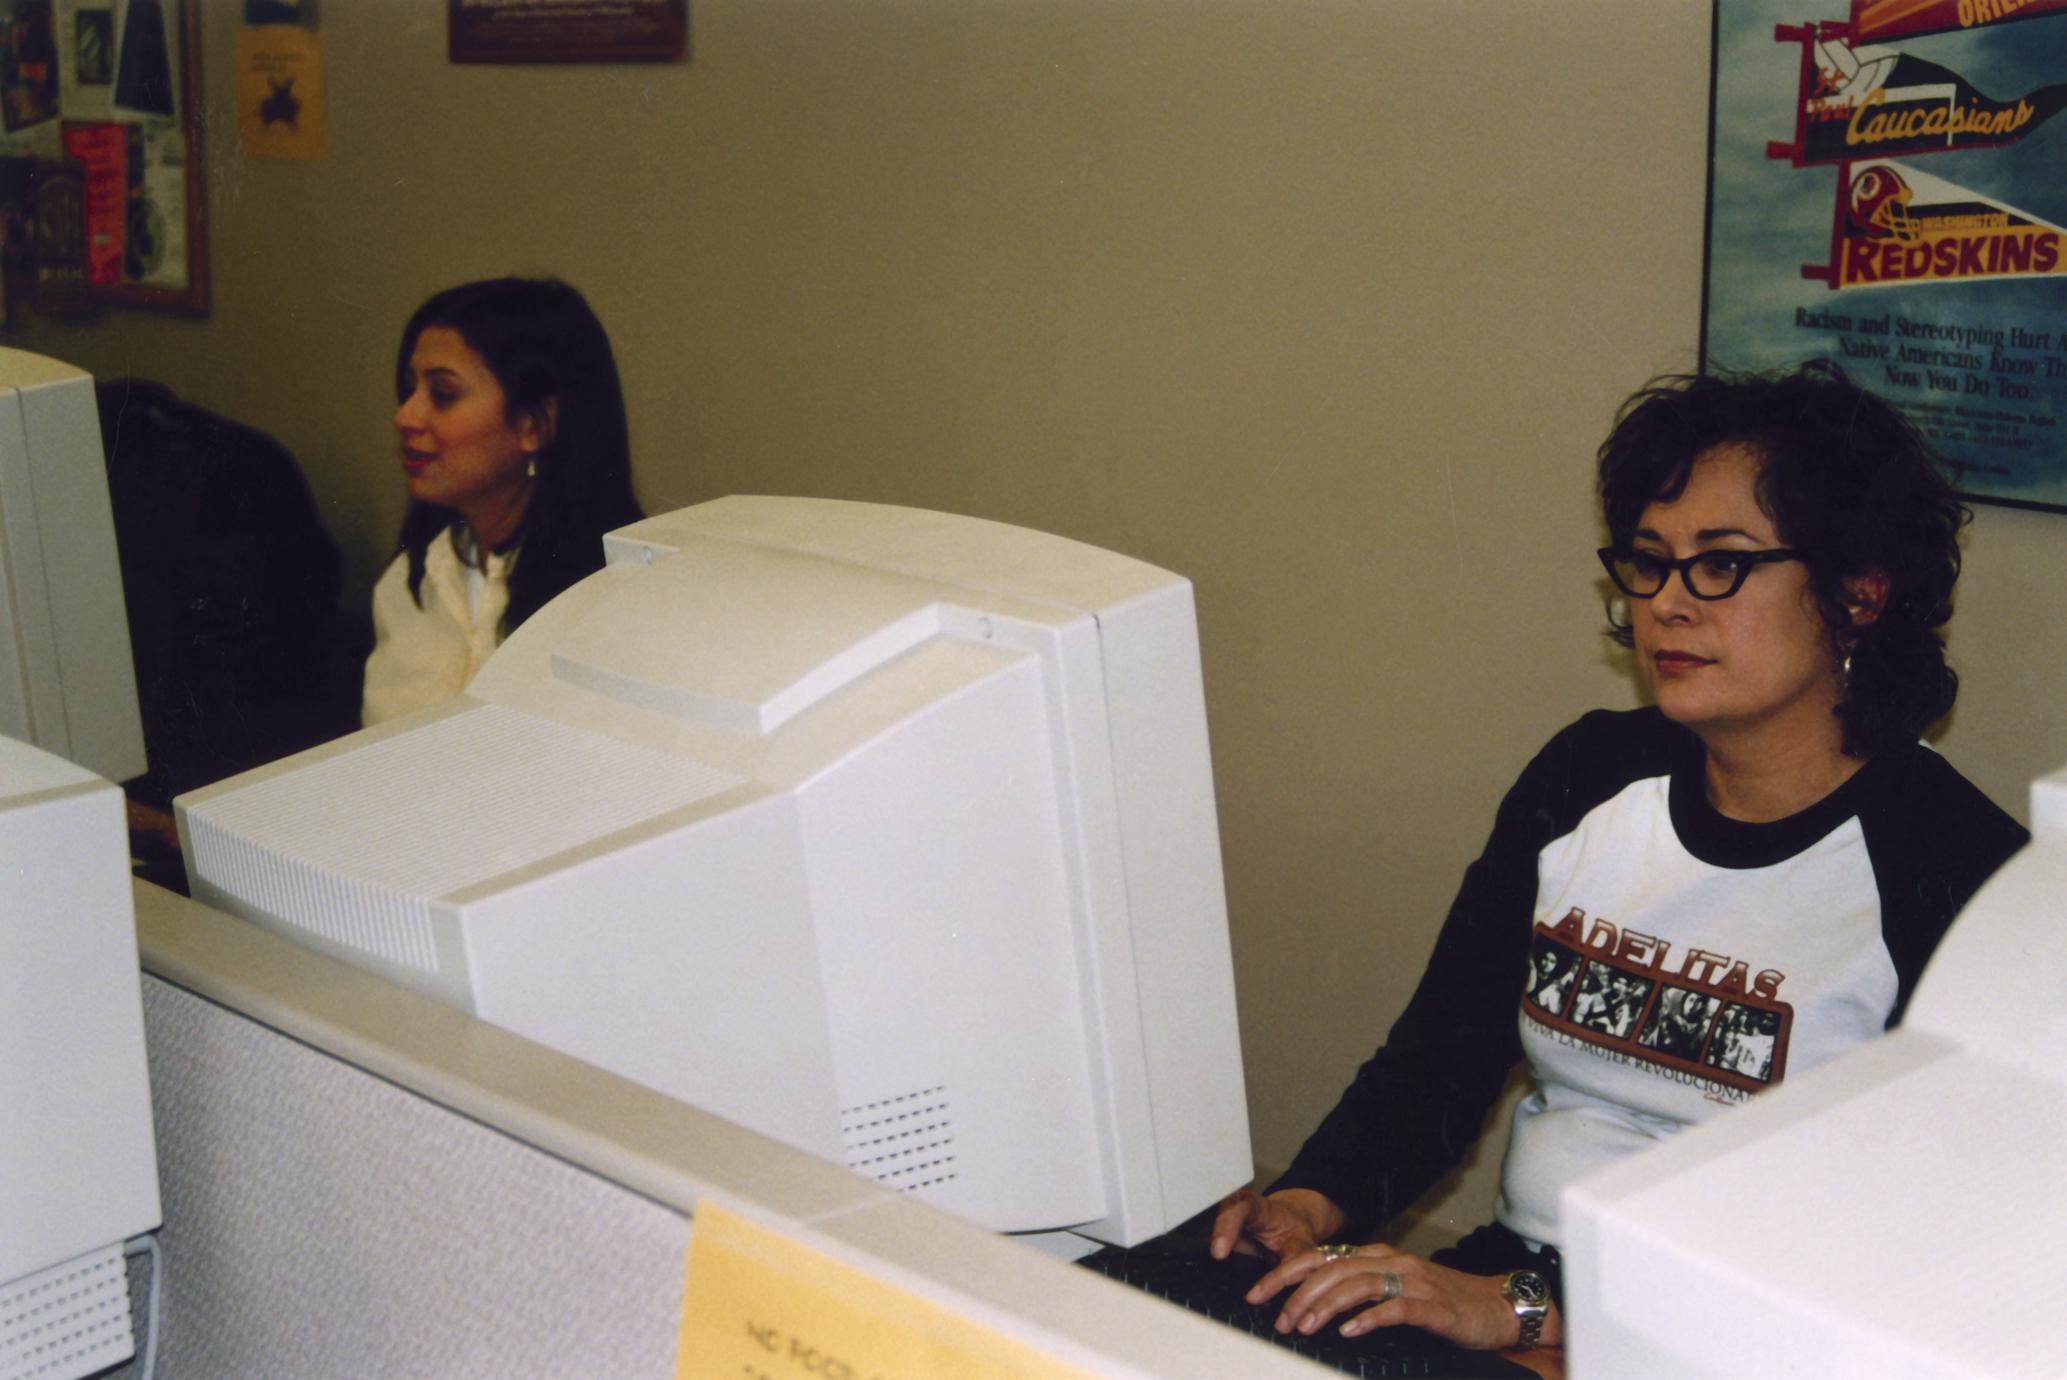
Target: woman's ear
535, 428
1866, 594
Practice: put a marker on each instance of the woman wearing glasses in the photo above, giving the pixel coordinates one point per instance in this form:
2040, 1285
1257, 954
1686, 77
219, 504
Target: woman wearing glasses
1730, 887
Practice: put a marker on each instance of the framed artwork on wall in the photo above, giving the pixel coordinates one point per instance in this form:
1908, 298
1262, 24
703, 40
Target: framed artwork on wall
585, 31
1884, 191
101, 181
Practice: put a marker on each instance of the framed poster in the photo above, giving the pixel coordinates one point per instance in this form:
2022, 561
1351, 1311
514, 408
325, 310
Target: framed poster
100, 105
526, 31
1885, 191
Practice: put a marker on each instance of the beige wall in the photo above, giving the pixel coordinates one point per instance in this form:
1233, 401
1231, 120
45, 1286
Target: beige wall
1324, 305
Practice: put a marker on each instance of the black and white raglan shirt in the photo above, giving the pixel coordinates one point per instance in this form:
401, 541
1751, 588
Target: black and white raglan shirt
1653, 960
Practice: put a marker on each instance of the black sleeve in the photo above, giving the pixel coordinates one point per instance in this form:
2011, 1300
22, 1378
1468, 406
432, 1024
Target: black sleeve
1417, 1105
1933, 838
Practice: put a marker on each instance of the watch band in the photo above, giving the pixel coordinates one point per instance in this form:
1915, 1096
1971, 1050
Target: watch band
1529, 1294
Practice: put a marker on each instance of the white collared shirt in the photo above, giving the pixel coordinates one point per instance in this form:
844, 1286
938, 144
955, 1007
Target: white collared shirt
427, 654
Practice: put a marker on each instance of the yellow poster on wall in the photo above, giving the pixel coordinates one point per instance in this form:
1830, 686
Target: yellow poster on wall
280, 92
760, 1305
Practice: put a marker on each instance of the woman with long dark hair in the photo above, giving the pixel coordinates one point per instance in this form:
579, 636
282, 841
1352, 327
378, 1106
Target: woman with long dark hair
517, 457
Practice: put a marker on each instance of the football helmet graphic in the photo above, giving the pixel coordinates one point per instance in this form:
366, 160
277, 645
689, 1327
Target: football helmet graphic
1879, 205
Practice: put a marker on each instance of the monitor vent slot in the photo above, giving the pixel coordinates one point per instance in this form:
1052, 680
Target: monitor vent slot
362, 847
904, 1142
71, 1319
360, 915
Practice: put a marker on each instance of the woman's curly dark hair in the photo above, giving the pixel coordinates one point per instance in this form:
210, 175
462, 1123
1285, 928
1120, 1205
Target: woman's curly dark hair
543, 343
1849, 483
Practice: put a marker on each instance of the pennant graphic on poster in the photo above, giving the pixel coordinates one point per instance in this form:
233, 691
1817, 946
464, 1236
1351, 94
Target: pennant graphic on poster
1901, 226
1871, 102
1874, 19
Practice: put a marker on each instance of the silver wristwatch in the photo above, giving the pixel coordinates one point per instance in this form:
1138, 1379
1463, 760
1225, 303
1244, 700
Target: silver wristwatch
1528, 1292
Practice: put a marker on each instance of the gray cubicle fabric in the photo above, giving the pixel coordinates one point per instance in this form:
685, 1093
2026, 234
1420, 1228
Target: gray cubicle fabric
322, 1222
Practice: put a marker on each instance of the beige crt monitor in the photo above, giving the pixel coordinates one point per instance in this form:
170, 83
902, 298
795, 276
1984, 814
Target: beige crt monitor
78, 1169
886, 833
1894, 1214
67, 683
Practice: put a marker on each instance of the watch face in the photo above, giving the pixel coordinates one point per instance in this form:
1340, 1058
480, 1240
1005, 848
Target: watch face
1528, 1287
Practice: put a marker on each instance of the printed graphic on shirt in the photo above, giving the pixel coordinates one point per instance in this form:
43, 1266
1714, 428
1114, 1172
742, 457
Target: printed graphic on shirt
1628, 997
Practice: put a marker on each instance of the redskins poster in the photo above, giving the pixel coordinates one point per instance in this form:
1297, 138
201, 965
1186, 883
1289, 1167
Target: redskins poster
1889, 190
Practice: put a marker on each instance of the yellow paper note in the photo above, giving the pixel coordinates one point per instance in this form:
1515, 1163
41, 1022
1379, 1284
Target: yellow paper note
280, 92
759, 1305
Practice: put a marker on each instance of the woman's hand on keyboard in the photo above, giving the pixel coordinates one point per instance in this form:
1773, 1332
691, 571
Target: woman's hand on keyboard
1400, 1288
1281, 1225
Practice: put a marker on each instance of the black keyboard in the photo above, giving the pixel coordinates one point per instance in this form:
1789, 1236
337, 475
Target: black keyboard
1179, 1269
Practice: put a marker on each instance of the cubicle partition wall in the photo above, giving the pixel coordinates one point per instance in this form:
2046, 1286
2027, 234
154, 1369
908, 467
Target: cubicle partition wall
359, 1181
324, 1221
